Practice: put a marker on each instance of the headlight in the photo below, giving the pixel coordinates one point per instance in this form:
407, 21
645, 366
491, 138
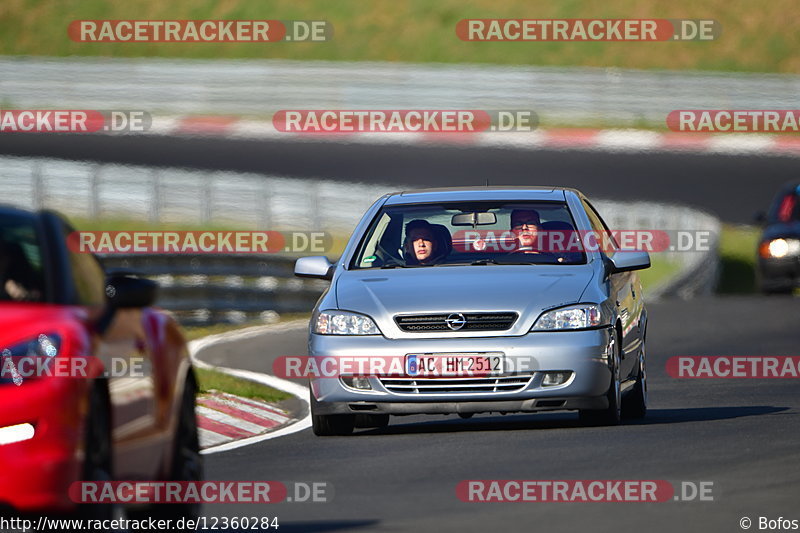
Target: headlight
24, 355
574, 317
344, 323
779, 248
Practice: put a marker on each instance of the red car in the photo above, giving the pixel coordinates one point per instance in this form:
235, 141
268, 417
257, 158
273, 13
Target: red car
113, 397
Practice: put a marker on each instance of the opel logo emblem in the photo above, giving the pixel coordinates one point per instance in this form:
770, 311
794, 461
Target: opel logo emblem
455, 321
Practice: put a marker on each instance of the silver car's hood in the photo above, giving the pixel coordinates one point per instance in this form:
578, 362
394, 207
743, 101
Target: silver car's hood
524, 289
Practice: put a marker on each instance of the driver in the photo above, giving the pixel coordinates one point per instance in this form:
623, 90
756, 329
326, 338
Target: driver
13, 274
526, 225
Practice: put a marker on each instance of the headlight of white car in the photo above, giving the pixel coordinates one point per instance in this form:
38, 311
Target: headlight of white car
580, 316
344, 323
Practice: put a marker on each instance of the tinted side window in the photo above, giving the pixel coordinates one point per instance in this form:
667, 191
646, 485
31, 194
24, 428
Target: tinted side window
21, 268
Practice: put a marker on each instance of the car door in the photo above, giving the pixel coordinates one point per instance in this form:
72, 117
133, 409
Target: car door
125, 348
625, 294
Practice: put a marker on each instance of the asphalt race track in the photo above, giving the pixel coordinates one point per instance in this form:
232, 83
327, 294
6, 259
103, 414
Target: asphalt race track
732, 187
742, 435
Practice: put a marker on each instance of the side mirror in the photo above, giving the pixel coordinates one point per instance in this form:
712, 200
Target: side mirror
623, 261
760, 218
125, 292
315, 266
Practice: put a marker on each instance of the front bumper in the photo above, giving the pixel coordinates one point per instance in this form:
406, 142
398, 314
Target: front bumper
779, 273
583, 353
35, 475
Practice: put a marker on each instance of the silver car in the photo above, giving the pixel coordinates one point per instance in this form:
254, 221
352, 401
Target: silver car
478, 300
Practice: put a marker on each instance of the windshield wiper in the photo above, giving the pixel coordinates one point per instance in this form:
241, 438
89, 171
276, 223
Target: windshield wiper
485, 262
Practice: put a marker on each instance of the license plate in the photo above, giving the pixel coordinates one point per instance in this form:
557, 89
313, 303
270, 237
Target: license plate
454, 364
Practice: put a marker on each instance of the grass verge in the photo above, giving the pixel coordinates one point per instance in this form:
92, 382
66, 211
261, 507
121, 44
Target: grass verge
659, 271
212, 380
757, 37
737, 254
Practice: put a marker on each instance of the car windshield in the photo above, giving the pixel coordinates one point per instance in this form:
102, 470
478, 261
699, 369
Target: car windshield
21, 269
470, 233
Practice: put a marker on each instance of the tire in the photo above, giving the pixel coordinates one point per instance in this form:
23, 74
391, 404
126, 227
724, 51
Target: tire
97, 463
372, 421
777, 291
611, 415
330, 425
187, 463
634, 405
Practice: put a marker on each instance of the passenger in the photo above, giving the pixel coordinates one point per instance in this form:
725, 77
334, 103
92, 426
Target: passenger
422, 247
526, 225
15, 274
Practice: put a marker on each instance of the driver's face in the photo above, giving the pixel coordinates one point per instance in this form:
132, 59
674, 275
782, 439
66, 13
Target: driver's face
422, 241
525, 227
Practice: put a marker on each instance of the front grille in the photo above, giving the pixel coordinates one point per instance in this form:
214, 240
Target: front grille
474, 322
403, 385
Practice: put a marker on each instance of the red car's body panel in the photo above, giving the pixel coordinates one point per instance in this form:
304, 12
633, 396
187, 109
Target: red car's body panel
35, 474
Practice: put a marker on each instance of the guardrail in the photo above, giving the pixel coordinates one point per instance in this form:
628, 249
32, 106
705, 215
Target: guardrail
205, 288
211, 288
176, 195
261, 87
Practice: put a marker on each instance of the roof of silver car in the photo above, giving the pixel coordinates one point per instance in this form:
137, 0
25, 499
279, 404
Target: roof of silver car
478, 193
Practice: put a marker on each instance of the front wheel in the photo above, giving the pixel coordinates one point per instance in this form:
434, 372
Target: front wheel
187, 463
611, 415
330, 425
634, 405
97, 452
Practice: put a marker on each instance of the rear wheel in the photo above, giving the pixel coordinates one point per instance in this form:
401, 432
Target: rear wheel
634, 404
330, 425
612, 415
187, 463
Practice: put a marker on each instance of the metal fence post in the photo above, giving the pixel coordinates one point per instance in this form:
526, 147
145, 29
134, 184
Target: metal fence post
94, 192
316, 206
37, 185
207, 199
155, 203
265, 206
